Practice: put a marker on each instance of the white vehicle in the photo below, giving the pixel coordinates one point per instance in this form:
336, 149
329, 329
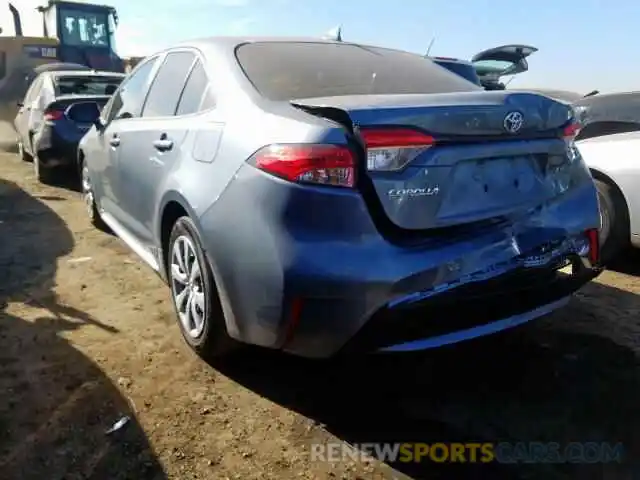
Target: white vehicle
614, 161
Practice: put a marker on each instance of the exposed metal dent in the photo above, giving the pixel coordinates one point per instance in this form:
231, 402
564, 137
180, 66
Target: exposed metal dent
555, 254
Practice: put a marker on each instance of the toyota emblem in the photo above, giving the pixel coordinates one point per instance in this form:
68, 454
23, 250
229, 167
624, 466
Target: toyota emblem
513, 122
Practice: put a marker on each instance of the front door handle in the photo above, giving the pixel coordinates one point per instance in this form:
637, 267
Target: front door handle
115, 141
163, 144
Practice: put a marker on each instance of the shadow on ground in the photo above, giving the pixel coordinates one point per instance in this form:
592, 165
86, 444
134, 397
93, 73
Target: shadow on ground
56, 404
542, 383
627, 262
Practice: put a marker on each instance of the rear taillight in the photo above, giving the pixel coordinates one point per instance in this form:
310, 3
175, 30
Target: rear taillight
52, 115
390, 149
318, 164
571, 131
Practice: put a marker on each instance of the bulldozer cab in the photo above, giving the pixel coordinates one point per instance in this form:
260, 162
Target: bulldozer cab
85, 33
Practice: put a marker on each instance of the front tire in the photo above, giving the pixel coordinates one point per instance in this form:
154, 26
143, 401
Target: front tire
194, 294
614, 221
89, 199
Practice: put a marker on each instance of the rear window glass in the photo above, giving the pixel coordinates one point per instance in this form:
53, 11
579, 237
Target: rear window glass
77, 85
288, 70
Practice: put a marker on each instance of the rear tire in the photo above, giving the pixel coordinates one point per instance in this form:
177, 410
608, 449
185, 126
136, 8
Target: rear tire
194, 294
614, 221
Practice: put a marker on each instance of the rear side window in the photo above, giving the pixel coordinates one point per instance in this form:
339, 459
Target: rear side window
194, 91
163, 97
127, 102
289, 70
89, 85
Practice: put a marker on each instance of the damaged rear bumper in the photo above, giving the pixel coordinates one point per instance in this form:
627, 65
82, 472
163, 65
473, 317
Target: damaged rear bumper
475, 309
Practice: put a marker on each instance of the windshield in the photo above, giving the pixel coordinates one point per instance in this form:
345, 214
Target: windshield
78, 85
465, 70
83, 28
291, 70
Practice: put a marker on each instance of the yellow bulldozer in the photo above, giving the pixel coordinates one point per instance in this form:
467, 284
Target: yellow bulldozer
65, 35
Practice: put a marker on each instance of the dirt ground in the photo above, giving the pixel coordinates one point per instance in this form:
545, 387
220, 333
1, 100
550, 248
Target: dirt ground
87, 337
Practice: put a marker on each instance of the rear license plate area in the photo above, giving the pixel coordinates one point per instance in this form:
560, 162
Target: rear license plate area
493, 183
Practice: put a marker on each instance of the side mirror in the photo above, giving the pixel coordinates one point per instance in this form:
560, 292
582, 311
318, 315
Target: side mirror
99, 123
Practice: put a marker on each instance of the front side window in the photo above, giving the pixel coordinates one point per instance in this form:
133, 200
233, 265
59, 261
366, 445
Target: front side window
128, 100
83, 28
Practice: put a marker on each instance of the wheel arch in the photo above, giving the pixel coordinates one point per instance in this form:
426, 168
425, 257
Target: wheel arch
603, 177
172, 207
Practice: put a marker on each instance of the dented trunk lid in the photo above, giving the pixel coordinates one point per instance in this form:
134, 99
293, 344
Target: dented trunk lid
495, 154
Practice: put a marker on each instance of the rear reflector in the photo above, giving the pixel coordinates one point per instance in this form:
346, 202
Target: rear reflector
318, 164
293, 319
390, 149
52, 115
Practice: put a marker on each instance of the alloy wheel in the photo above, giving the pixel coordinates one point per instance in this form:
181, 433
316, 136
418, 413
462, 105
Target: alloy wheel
188, 286
87, 191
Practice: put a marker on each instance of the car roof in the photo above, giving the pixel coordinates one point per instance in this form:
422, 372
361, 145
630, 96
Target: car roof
231, 42
613, 137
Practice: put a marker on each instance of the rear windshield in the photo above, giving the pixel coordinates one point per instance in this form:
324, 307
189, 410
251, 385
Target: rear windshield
293, 70
465, 70
78, 85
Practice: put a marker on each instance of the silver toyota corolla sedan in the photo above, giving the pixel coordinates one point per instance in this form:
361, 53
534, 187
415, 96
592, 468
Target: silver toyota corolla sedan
308, 195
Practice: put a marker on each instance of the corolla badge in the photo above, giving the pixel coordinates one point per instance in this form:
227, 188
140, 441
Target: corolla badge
414, 192
513, 122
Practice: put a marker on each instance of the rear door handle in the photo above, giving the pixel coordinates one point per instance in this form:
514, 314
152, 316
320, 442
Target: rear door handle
163, 144
115, 141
